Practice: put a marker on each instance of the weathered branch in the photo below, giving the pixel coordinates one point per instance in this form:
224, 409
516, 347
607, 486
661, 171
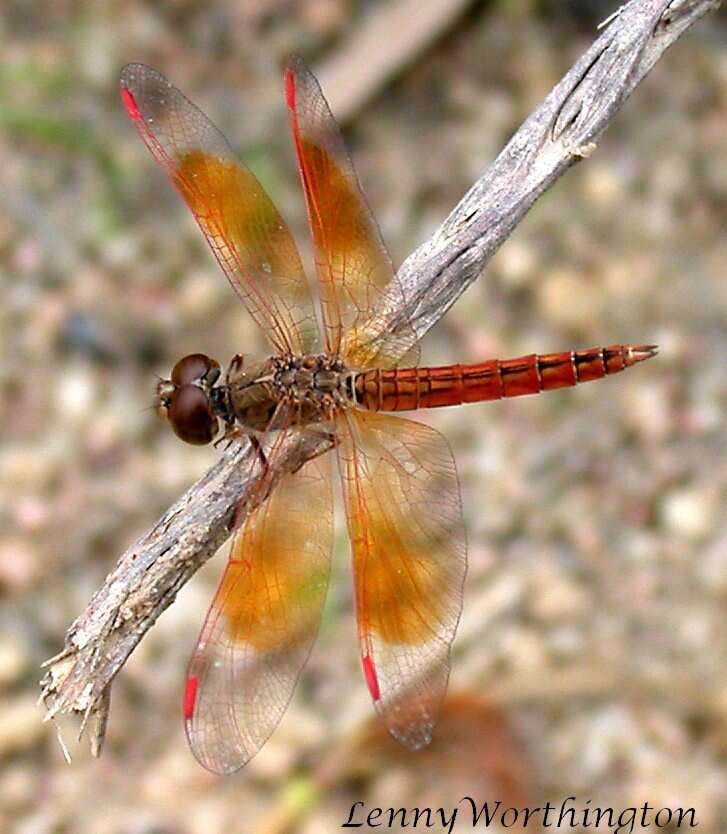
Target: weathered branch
558, 133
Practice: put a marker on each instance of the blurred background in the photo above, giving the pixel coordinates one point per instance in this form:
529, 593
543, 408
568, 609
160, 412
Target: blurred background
590, 660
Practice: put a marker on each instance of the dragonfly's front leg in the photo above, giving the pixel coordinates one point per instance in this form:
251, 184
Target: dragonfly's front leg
235, 432
231, 433
321, 434
258, 448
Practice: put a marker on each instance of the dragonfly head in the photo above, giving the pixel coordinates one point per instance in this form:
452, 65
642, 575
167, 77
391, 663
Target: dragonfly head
185, 399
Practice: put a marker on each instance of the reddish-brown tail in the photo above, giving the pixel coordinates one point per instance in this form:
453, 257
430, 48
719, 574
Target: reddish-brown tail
405, 389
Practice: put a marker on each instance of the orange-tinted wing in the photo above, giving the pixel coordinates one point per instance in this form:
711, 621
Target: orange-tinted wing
244, 229
409, 559
262, 623
356, 278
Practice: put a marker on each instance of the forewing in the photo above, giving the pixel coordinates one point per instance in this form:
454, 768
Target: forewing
248, 236
357, 284
409, 560
262, 623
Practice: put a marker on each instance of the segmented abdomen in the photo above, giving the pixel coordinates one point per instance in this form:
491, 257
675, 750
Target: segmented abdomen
406, 389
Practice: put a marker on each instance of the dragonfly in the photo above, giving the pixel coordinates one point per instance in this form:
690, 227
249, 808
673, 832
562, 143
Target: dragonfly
337, 368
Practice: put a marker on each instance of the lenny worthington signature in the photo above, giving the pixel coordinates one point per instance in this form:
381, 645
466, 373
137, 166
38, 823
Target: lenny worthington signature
569, 814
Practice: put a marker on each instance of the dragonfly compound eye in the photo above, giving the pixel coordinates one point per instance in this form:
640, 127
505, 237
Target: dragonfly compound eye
196, 368
191, 415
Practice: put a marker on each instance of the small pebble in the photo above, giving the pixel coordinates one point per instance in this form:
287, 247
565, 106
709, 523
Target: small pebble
688, 512
21, 725
516, 263
602, 184
569, 300
76, 393
13, 661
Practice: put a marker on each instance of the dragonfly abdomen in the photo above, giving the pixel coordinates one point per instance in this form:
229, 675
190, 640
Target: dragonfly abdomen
407, 389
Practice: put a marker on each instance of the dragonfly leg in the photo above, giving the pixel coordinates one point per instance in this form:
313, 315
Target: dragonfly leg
231, 433
258, 448
234, 522
328, 436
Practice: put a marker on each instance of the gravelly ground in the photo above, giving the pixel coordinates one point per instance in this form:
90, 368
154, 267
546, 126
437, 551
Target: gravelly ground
591, 655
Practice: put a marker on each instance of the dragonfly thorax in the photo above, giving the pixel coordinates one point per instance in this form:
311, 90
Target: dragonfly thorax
312, 385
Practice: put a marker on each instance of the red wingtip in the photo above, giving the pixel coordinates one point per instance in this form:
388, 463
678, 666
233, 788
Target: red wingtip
130, 104
290, 88
190, 696
372, 680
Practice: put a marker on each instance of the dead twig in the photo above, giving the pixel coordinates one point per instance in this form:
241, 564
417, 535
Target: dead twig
561, 131
389, 38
